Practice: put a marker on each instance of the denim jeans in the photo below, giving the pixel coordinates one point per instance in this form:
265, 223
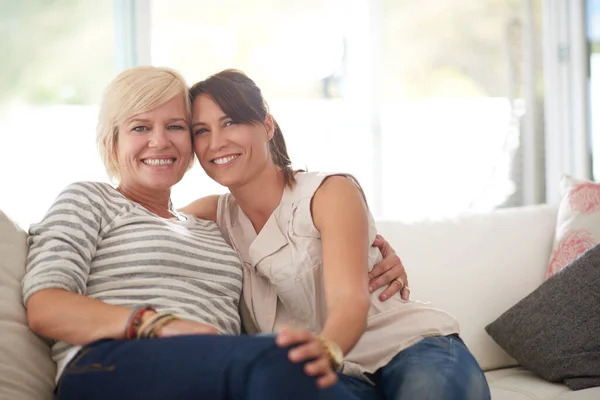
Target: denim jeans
189, 367
436, 368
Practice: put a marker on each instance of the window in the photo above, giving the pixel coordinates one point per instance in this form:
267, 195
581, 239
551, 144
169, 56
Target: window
593, 33
57, 60
452, 88
295, 52
423, 101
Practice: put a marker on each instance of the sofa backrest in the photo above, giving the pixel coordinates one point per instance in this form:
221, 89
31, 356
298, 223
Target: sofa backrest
26, 370
476, 266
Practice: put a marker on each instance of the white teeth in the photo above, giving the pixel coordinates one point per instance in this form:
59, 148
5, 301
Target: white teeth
224, 160
160, 161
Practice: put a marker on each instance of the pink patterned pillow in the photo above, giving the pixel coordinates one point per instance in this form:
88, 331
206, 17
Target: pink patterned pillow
578, 223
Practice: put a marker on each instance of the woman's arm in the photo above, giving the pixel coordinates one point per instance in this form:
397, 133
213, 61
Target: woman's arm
203, 208
61, 248
340, 214
79, 320
74, 318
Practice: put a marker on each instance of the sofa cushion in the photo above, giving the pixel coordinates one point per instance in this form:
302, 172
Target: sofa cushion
26, 370
443, 258
578, 222
521, 384
554, 330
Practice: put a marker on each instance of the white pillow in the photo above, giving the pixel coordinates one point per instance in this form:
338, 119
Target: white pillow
26, 370
578, 222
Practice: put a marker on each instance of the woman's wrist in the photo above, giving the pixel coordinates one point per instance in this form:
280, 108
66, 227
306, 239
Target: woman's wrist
335, 353
136, 319
154, 324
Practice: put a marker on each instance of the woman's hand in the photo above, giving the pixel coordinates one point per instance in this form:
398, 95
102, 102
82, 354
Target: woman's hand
181, 327
310, 349
388, 271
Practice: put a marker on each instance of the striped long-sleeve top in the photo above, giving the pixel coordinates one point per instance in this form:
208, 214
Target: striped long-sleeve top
95, 242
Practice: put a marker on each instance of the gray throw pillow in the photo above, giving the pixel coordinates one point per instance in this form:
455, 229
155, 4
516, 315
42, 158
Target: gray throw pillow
555, 331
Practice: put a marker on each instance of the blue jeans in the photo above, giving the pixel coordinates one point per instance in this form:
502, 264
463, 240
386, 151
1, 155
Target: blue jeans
436, 368
189, 367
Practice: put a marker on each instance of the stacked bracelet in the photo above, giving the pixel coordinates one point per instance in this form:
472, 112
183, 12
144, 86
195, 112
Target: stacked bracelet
135, 321
336, 356
154, 324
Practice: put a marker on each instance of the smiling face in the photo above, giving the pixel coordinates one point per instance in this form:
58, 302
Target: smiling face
153, 149
231, 153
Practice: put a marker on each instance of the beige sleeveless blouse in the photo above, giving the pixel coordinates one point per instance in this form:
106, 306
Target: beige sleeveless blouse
283, 280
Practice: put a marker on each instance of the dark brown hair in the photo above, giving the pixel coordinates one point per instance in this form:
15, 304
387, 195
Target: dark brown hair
241, 99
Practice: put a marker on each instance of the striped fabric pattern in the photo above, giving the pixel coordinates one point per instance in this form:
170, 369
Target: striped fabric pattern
95, 242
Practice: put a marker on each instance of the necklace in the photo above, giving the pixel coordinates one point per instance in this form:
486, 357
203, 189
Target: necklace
175, 213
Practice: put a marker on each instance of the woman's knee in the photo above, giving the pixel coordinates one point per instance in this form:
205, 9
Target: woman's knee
440, 367
469, 373
458, 387
275, 360
436, 382
274, 374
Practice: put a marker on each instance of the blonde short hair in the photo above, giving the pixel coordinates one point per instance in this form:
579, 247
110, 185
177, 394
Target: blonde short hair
134, 91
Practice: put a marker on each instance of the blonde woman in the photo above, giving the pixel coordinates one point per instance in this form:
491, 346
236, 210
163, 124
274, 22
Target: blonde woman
141, 300
305, 242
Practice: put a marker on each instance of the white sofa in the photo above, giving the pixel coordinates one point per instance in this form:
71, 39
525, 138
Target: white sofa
475, 267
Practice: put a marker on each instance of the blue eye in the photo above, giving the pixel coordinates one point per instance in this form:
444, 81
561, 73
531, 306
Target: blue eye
140, 129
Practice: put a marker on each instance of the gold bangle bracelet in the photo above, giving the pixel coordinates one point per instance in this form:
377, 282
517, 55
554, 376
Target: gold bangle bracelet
336, 355
160, 324
147, 327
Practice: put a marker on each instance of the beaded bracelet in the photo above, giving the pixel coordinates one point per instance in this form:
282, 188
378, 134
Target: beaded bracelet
135, 321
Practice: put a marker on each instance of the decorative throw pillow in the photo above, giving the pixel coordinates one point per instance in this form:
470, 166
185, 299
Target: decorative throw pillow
554, 331
578, 222
26, 370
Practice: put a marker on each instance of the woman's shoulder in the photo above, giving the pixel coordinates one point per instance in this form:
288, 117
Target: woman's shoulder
89, 203
324, 189
87, 186
92, 192
308, 183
